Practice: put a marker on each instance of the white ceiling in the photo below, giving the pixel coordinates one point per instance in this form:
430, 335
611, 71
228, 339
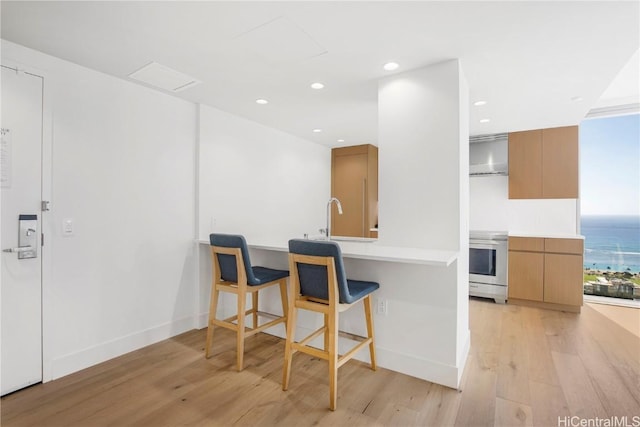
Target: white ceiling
528, 60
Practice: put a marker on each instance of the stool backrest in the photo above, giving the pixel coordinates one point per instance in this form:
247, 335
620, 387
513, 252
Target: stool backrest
228, 267
314, 280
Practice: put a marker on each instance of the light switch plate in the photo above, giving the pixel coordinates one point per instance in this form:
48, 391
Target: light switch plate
67, 227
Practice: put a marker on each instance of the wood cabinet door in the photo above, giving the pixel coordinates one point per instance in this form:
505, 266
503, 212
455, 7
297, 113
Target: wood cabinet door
350, 187
525, 165
564, 246
560, 163
526, 272
563, 279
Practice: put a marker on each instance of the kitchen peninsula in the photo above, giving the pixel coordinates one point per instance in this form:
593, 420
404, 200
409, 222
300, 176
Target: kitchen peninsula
406, 276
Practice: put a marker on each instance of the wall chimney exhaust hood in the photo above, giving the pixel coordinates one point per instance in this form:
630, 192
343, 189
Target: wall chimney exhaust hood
489, 155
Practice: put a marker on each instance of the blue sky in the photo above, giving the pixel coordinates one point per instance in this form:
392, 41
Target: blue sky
610, 165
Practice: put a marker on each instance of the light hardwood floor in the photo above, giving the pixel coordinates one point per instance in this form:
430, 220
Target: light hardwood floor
526, 366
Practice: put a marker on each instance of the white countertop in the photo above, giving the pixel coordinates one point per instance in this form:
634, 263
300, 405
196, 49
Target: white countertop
373, 251
548, 235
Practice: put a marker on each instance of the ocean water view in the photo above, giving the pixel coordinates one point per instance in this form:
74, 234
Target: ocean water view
611, 242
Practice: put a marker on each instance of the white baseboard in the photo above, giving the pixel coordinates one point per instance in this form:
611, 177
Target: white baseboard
73, 362
201, 320
428, 370
462, 358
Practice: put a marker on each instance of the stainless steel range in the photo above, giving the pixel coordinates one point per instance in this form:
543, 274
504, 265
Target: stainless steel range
488, 251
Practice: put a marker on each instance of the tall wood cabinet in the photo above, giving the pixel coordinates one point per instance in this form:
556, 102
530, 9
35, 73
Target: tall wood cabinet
543, 163
354, 181
547, 271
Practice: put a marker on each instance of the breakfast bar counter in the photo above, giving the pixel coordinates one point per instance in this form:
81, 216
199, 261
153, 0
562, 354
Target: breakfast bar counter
371, 250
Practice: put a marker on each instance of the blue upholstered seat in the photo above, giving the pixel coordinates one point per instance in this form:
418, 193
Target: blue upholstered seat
255, 275
313, 278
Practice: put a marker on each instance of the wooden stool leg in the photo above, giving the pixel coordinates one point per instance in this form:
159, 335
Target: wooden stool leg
368, 313
288, 352
212, 315
242, 297
285, 300
254, 302
326, 332
333, 360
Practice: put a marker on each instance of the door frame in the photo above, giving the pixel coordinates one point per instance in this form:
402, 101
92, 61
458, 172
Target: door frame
46, 218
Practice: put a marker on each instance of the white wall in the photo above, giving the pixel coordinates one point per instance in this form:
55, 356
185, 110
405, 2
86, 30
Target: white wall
423, 193
123, 167
491, 209
259, 182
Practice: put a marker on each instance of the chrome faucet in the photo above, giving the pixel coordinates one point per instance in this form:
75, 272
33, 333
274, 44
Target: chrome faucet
328, 229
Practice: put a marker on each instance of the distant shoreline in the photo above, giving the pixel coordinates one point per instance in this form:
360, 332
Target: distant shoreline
602, 272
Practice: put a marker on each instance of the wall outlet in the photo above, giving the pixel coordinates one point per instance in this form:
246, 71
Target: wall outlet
382, 306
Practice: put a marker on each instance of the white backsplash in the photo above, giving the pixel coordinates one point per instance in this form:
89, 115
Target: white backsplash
491, 209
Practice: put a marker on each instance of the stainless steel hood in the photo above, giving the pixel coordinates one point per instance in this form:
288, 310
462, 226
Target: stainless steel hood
489, 155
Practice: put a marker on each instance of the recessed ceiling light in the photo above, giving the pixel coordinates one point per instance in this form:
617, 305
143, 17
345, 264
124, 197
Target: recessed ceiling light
390, 66
479, 103
341, 140
317, 130
261, 101
317, 85
485, 120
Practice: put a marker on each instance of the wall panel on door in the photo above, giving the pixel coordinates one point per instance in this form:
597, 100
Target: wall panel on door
21, 336
351, 183
354, 181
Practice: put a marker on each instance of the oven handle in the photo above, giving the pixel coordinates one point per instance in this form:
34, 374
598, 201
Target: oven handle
486, 242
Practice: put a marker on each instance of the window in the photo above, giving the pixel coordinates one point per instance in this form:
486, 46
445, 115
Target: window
610, 205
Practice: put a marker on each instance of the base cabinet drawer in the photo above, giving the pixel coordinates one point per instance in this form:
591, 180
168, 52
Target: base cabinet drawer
545, 270
563, 279
526, 275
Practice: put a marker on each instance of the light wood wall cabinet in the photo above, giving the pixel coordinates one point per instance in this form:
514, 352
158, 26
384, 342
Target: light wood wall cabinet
543, 164
546, 272
354, 181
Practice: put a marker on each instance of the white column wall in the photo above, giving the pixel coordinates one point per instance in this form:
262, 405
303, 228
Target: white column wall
423, 202
123, 168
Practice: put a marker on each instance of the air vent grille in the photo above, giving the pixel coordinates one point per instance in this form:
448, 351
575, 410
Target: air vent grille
163, 77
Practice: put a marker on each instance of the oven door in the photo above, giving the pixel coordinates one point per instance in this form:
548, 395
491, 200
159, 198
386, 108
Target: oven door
487, 262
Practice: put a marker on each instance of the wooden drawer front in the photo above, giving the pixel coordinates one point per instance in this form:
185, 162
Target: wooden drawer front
564, 246
563, 279
532, 244
526, 273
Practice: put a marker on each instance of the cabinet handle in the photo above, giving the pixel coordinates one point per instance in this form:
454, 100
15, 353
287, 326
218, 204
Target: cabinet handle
364, 192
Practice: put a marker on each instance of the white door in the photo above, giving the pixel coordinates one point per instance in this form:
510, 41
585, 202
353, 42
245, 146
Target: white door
21, 182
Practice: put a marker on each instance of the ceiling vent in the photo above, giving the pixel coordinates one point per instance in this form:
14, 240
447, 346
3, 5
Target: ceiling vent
160, 76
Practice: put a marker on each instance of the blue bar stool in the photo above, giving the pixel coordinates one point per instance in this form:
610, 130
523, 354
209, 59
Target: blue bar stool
232, 272
319, 283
